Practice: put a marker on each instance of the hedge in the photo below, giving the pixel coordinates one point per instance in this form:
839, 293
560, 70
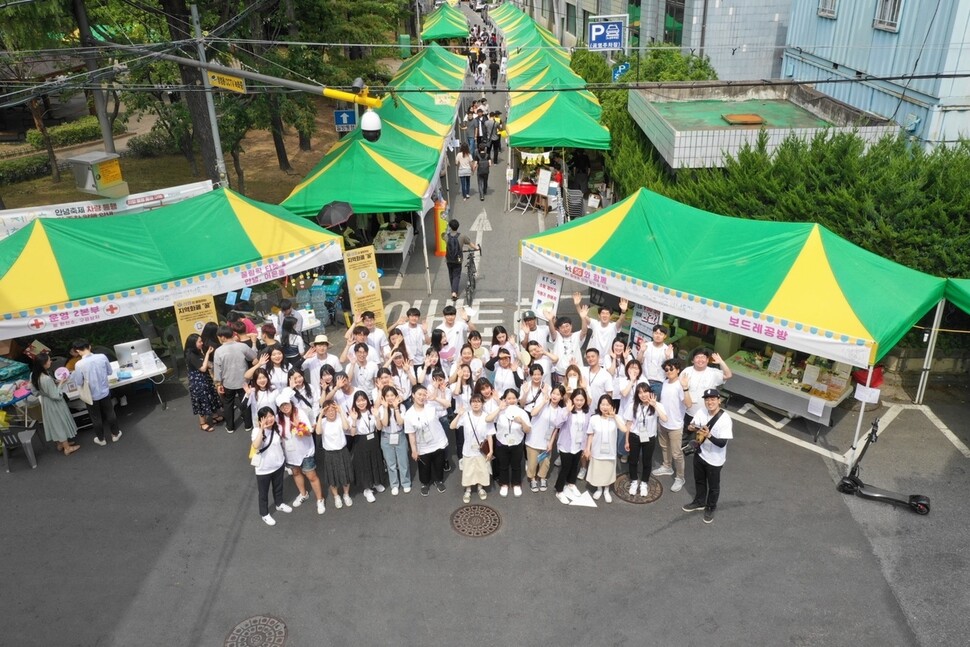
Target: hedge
85, 129
23, 168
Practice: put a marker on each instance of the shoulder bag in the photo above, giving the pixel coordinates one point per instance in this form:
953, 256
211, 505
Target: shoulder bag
256, 456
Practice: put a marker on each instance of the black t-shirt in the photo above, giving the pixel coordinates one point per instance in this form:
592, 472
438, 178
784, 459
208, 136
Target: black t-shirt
194, 361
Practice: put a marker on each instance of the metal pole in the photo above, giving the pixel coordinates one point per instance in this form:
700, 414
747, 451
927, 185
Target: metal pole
858, 425
930, 350
91, 63
210, 104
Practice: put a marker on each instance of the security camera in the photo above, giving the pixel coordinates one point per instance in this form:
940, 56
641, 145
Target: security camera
370, 125
358, 85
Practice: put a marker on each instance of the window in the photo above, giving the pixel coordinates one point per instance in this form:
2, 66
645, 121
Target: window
571, 18
674, 22
586, 17
887, 15
827, 9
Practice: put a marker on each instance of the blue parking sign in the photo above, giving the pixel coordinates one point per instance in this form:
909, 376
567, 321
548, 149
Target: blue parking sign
620, 70
606, 35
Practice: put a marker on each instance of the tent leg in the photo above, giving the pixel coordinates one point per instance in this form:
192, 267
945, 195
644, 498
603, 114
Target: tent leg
518, 296
424, 247
930, 350
858, 425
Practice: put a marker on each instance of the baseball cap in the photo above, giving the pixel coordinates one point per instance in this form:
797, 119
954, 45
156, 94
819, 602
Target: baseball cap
321, 339
285, 397
711, 393
528, 314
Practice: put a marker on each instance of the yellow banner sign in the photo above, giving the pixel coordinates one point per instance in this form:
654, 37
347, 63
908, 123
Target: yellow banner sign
226, 82
194, 313
362, 283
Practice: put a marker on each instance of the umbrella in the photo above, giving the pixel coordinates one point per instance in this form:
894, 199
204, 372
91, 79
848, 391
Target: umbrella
334, 214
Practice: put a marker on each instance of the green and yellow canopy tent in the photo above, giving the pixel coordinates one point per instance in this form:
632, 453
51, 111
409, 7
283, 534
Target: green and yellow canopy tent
438, 58
957, 292
797, 285
58, 273
444, 23
556, 120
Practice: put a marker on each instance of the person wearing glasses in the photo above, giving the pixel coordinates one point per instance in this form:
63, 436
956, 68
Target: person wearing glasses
670, 432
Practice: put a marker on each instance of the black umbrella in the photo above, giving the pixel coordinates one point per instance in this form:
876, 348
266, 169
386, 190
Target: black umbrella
334, 214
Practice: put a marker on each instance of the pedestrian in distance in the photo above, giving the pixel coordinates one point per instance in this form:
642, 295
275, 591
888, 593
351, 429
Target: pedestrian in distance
58, 422
454, 244
230, 363
268, 458
482, 166
713, 428
202, 391
464, 162
91, 377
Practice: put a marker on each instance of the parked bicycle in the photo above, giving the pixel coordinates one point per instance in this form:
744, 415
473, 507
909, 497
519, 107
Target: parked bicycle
471, 272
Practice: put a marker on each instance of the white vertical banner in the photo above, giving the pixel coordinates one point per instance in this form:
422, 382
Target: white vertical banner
641, 326
545, 296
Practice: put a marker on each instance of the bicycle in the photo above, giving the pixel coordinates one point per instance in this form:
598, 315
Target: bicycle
472, 272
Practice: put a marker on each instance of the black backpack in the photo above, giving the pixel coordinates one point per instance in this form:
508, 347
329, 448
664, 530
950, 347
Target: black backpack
483, 165
453, 249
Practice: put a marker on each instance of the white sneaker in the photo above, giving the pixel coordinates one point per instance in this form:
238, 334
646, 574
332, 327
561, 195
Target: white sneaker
467, 496
606, 495
348, 501
517, 490
369, 495
482, 494
116, 437
633, 487
407, 490
98, 441
677, 486
582, 474
562, 498
300, 498
394, 491
321, 506
379, 488
663, 470
558, 461
503, 491
337, 503
270, 521
574, 490
289, 471
284, 508
643, 489
597, 494
543, 485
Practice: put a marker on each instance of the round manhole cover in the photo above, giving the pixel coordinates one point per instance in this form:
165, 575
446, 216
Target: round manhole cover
258, 631
476, 520
621, 488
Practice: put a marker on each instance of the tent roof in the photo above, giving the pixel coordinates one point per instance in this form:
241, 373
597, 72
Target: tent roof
445, 22
821, 292
557, 121
55, 261
958, 293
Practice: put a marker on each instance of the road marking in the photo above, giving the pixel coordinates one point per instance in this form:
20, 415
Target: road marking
962, 448
804, 444
480, 226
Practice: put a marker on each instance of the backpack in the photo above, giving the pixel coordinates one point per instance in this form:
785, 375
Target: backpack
483, 165
453, 249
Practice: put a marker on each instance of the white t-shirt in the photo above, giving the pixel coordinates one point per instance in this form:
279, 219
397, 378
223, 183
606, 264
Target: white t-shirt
482, 429
603, 431
392, 427
456, 334
504, 378
543, 426
531, 394
508, 431
653, 359
700, 381
567, 349
414, 342
428, 434
645, 422
278, 378
402, 383
297, 447
546, 365
573, 433
672, 399
602, 337
273, 458
366, 424
723, 428
626, 401
598, 383
311, 367
540, 334
363, 378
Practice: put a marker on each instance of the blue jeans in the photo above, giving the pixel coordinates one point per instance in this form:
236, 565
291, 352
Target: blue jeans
396, 457
466, 185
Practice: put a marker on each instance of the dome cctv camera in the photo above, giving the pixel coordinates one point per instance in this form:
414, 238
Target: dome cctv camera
370, 125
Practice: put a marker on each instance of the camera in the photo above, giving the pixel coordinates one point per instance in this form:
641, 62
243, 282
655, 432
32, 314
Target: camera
370, 125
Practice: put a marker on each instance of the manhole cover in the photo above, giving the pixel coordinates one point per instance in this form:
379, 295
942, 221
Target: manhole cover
476, 520
621, 488
258, 631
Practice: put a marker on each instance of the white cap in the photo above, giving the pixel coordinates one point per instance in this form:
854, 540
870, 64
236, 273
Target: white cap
285, 397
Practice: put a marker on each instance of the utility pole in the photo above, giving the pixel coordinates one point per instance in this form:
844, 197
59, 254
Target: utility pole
91, 63
210, 104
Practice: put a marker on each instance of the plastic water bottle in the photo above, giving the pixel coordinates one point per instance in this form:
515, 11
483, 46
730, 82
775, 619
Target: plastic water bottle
135, 361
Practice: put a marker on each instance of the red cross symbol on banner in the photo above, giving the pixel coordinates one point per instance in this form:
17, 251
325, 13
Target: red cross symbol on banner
37, 324
112, 309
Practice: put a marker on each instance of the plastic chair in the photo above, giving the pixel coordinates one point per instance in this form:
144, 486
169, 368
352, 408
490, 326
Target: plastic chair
14, 437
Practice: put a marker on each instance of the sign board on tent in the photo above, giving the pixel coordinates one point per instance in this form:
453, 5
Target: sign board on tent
545, 296
641, 326
363, 284
545, 179
193, 313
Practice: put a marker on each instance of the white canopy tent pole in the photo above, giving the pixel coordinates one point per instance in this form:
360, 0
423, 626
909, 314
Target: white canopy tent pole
930, 350
858, 425
518, 296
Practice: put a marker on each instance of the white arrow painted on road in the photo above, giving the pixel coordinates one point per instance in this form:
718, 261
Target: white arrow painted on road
480, 226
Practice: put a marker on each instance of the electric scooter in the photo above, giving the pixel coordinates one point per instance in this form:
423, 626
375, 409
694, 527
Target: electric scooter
852, 484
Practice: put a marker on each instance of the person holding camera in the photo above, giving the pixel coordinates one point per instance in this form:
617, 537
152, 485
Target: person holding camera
713, 429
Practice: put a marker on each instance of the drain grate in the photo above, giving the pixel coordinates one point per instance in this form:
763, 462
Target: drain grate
258, 631
622, 489
476, 520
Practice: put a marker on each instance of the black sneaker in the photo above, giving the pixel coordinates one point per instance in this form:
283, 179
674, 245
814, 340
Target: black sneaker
440, 485
425, 489
694, 506
708, 515
447, 465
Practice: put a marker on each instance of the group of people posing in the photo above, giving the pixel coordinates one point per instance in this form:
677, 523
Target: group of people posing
578, 396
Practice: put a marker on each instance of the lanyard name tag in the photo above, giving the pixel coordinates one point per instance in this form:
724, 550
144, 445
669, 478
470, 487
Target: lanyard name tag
370, 436
605, 443
394, 438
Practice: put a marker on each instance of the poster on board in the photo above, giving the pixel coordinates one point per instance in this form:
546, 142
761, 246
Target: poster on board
642, 323
193, 313
542, 185
545, 296
363, 284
